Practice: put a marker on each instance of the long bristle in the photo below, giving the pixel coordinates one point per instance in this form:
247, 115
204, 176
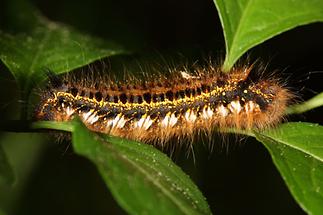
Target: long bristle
174, 106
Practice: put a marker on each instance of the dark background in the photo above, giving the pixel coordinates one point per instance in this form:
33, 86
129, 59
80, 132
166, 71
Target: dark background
238, 176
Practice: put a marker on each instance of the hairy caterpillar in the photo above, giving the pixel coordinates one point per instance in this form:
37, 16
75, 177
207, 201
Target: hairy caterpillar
169, 106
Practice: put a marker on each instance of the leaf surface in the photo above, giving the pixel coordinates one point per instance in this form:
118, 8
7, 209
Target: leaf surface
297, 151
247, 23
142, 179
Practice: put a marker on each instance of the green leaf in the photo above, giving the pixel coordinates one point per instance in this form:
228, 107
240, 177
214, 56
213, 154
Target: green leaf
297, 151
53, 46
247, 23
312, 103
47, 46
142, 179
6, 172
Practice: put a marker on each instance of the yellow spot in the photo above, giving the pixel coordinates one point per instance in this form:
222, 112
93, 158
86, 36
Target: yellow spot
245, 91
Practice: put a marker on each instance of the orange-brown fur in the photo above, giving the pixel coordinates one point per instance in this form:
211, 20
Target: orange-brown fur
160, 84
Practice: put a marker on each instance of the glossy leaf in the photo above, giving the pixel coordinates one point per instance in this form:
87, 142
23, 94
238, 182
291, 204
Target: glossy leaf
55, 47
41, 45
247, 23
297, 151
47, 45
142, 179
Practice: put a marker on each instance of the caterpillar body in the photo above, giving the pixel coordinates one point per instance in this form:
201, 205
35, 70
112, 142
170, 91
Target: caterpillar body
164, 107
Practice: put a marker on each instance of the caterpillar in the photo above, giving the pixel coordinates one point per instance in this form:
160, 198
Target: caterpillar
163, 107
